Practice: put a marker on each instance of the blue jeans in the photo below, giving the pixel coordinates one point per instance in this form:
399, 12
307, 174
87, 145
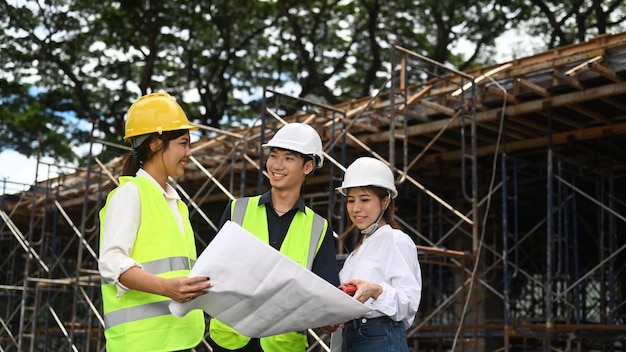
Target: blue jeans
374, 335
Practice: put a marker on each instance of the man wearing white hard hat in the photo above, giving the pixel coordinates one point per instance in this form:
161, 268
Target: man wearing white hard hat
280, 218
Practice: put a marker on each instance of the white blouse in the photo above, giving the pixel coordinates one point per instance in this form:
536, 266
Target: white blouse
388, 257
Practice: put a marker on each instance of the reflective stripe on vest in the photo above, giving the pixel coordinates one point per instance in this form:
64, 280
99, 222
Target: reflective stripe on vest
135, 313
168, 264
240, 210
317, 230
160, 266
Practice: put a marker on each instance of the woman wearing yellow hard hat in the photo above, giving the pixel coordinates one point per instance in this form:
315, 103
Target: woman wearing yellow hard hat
147, 245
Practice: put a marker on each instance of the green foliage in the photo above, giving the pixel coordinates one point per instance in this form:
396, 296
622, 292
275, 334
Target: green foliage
88, 61
33, 124
561, 23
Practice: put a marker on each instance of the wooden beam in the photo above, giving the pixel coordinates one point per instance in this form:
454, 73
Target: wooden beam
508, 96
416, 97
616, 104
535, 88
488, 74
605, 71
495, 127
560, 57
564, 56
438, 108
529, 128
572, 82
534, 106
558, 138
562, 119
585, 64
589, 113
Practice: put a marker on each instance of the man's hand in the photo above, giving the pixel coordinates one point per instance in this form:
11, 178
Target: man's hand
331, 328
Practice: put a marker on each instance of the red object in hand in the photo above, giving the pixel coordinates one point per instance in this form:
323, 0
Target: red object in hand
349, 289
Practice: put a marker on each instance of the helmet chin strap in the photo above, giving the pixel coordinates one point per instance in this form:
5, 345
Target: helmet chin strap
373, 227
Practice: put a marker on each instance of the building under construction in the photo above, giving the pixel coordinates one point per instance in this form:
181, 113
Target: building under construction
512, 182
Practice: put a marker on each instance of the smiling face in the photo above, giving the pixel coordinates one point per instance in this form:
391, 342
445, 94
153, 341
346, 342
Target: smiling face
287, 169
176, 155
169, 157
364, 206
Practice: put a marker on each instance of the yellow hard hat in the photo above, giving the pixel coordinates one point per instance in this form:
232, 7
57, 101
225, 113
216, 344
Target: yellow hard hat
155, 112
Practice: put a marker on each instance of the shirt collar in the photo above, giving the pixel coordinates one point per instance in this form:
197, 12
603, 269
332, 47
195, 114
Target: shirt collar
267, 198
168, 192
379, 231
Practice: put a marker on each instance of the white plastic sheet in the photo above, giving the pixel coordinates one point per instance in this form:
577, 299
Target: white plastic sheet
260, 292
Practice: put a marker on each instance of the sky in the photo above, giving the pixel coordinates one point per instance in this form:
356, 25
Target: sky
15, 169
18, 172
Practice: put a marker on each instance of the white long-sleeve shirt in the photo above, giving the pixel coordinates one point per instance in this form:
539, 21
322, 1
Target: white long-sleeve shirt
388, 257
122, 220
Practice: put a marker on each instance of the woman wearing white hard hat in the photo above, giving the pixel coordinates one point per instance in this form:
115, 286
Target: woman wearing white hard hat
383, 266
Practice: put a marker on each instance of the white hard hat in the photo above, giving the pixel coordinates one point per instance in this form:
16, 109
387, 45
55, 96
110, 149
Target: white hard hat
366, 171
301, 138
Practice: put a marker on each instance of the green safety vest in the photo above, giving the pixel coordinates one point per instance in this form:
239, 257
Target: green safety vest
140, 321
301, 249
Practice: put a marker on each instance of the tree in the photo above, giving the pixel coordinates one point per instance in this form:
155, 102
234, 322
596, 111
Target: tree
104, 55
215, 57
36, 124
337, 51
567, 22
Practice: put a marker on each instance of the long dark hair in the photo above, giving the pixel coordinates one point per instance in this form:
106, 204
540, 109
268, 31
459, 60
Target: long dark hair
388, 215
142, 153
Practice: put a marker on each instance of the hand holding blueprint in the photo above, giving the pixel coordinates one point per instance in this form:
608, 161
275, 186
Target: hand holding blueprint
260, 292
